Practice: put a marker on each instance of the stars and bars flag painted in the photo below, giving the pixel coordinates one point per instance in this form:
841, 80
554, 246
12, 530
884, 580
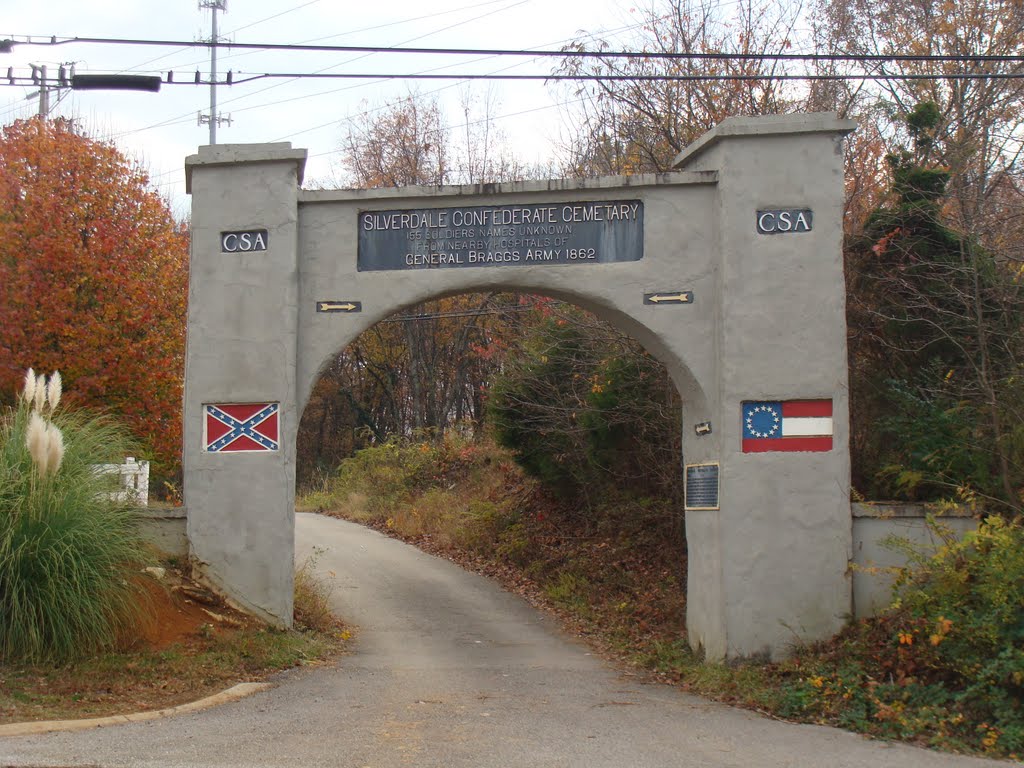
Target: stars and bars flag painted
787, 425
241, 427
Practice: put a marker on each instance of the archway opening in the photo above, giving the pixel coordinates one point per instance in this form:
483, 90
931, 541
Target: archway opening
519, 432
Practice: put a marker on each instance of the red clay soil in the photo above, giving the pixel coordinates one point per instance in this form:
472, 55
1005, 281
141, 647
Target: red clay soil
181, 611
178, 658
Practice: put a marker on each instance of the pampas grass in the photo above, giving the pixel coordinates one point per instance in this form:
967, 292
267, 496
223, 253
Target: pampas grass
36, 441
68, 550
54, 448
40, 394
54, 387
44, 440
28, 392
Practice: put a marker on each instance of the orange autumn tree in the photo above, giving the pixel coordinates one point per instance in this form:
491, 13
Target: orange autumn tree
93, 279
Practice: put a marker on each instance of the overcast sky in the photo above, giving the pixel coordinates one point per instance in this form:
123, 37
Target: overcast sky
160, 129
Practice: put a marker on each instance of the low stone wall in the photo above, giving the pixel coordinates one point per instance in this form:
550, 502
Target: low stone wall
872, 524
164, 528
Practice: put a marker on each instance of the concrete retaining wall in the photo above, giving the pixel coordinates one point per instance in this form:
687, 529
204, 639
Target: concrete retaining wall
164, 528
874, 563
872, 523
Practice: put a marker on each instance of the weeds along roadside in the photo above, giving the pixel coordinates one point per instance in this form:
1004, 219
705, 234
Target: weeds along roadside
192, 652
944, 667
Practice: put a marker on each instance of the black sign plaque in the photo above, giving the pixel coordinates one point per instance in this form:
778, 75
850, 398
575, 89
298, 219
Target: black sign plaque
701, 486
781, 221
244, 241
574, 232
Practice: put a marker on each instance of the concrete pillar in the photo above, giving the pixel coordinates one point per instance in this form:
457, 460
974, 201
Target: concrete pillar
241, 350
777, 553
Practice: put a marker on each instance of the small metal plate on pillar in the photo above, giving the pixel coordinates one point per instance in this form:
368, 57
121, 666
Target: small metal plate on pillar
701, 486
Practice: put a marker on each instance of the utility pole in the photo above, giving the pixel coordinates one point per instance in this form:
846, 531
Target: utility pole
63, 84
44, 94
213, 118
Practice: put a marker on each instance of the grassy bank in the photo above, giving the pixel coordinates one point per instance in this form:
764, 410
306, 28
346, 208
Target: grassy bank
192, 646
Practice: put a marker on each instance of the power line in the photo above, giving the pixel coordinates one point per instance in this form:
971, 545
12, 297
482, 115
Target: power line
503, 116
247, 26
667, 55
335, 121
400, 22
364, 113
182, 119
232, 79
275, 16
418, 37
638, 78
380, 108
187, 117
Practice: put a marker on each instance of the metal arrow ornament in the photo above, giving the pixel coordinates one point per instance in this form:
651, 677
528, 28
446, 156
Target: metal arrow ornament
665, 298
339, 306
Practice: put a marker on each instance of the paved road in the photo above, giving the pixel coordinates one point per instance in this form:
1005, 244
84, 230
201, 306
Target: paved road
449, 670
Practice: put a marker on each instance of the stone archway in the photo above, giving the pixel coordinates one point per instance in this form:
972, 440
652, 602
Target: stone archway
728, 270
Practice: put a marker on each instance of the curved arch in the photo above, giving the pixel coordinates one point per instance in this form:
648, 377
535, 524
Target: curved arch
680, 372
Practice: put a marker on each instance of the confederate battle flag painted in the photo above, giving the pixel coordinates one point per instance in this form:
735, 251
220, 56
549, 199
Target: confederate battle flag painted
241, 427
788, 425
